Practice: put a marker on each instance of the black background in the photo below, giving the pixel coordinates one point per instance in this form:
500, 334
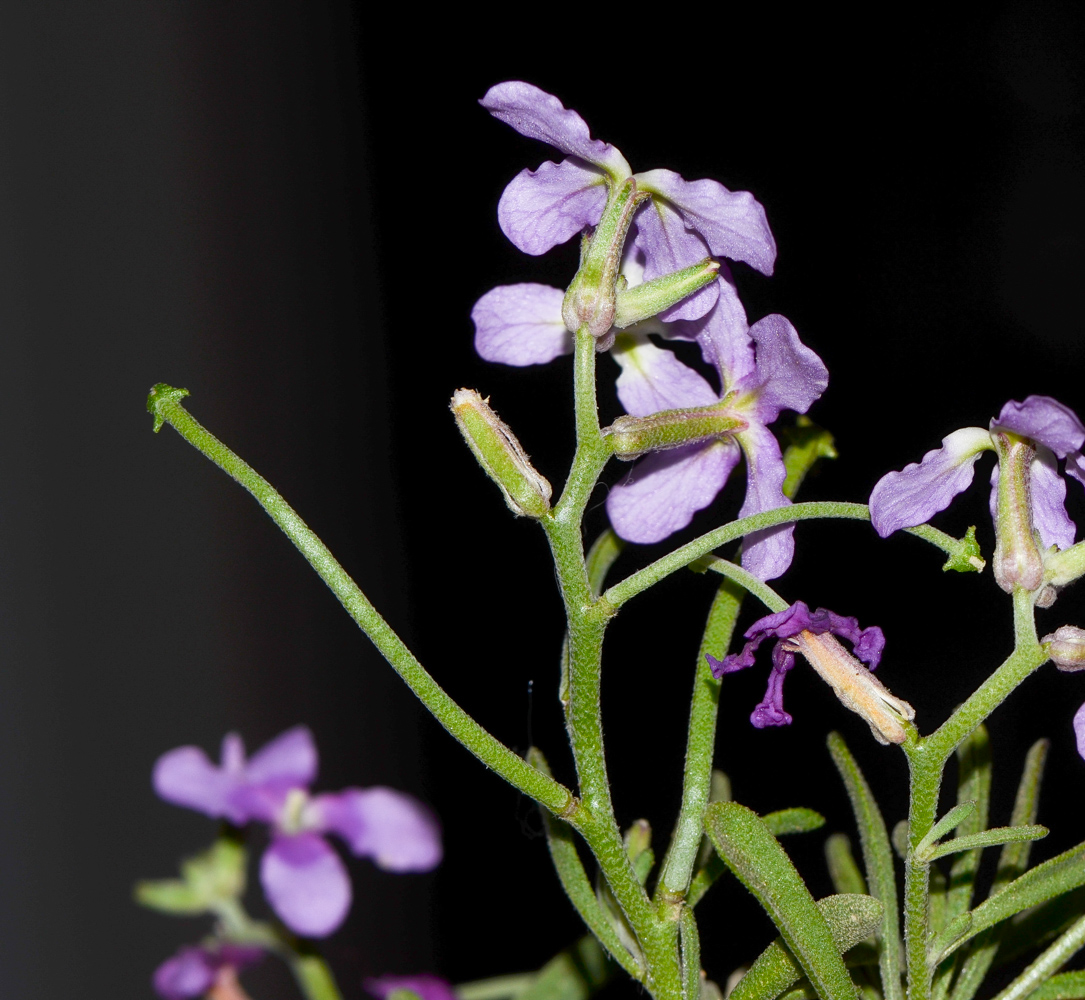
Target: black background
290, 209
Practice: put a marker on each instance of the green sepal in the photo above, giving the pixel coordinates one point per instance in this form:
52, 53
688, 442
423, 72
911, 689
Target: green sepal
160, 397
987, 838
650, 298
629, 437
761, 864
806, 443
207, 879
851, 918
964, 555
843, 870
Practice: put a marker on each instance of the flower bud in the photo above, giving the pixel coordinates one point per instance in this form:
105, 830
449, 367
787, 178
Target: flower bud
1017, 559
591, 299
630, 437
650, 298
1067, 648
499, 453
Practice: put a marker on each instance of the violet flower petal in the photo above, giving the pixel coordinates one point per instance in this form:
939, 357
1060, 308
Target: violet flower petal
394, 829
663, 491
653, 379
667, 245
732, 223
767, 553
1044, 420
916, 493
306, 883
539, 115
426, 986
1049, 502
1075, 466
521, 325
770, 710
289, 761
791, 375
540, 209
723, 336
189, 973
186, 777
1079, 729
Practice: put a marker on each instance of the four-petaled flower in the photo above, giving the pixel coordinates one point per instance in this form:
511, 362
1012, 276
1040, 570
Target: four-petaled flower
812, 633
195, 969
763, 369
303, 877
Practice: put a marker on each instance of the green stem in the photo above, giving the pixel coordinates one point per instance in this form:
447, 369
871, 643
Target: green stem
685, 554
165, 404
313, 977
747, 581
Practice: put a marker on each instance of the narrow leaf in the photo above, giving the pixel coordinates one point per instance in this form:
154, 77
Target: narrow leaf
988, 838
761, 864
787, 821
877, 860
691, 955
601, 556
973, 785
1064, 986
1036, 927
950, 821
851, 919
573, 974
842, 867
1053, 959
171, 895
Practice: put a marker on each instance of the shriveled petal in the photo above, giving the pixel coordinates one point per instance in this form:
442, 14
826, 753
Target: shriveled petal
521, 325
663, 491
768, 553
1049, 502
186, 777
790, 375
426, 986
732, 223
394, 829
770, 710
1079, 729
916, 493
289, 761
540, 209
306, 884
1046, 421
539, 115
189, 973
653, 379
667, 245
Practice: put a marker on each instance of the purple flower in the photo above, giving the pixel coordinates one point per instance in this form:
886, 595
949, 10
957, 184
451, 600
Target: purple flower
304, 879
428, 987
763, 370
195, 968
912, 496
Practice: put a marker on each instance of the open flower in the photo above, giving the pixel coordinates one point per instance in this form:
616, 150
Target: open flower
763, 369
303, 877
196, 969
812, 633
912, 496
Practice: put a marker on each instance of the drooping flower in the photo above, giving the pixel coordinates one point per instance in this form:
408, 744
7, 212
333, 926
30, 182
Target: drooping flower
684, 222
763, 370
428, 987
303, 877
196, 969
812, 633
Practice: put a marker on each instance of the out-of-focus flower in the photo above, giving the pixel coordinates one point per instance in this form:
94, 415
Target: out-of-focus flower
812, 633
303, 877
763, 370
196, 969
427, 986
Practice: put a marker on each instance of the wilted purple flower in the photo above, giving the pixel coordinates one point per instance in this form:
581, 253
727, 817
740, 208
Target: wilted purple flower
304, 879
800, 630
912, 496
427, 986
763, 370
194, 969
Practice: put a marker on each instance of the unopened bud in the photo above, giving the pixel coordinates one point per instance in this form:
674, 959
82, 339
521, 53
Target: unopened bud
498, 452
630, 437
855, 686
591, 299
1017, 560
1067, 648
650, 298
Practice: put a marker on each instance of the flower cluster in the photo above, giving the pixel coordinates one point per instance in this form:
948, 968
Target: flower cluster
762, 369
303, 877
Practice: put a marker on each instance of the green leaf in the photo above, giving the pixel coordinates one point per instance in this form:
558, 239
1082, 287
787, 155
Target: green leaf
1053, 959
973, 786
573, 974
638, 839
950, 821
208, 878
843, 870
601, 556
988, 838
899, 837
851, 919
1064, 986
788, 821
761, 864
1036, 927
806, 443
691, 954
877, 860
170, 895
1039, 884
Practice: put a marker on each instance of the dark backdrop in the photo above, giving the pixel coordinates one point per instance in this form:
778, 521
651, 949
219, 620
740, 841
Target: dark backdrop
290, 210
